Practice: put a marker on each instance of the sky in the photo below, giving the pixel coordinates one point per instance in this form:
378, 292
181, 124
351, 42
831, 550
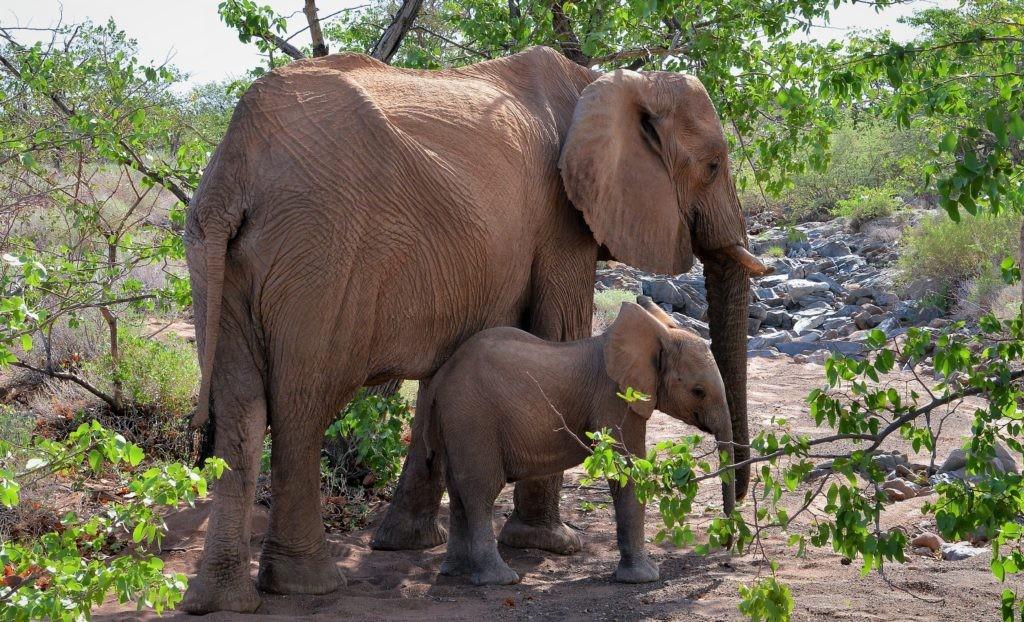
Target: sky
190, 32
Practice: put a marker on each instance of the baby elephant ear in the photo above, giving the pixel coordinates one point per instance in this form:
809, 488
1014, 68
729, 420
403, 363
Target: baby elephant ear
632, 352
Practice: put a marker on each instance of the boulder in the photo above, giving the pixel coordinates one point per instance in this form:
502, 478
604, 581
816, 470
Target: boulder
960, 550
928, 540
831, 248
796, 289
767, 340
842, 347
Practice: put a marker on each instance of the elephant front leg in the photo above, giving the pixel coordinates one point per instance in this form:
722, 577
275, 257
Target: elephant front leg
634, 564
410, 522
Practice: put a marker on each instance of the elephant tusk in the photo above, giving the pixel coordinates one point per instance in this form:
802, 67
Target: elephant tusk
746, 259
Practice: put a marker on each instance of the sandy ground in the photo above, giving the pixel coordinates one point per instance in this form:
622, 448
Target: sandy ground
406, 586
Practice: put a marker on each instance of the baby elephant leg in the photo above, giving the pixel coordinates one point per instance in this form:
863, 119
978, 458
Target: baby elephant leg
634, 565
475, 551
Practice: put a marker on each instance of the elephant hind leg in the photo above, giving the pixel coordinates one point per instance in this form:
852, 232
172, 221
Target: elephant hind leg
240, 419
295, 557
535, 522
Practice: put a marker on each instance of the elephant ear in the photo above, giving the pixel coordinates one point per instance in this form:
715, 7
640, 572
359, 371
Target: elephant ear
632, 353
613, 172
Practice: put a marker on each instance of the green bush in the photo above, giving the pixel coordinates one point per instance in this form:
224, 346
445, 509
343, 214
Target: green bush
157, 375
775, 251
864, 153
960, 259
866, 204
373, 428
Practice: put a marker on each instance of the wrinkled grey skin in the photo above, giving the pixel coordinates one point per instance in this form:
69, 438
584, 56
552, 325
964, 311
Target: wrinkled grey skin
358, 222
509, 406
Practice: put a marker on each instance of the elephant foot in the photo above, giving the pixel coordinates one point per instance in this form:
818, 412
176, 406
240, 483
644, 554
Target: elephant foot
642, 570
454, 566
494, 573
204, 596
298, 575
556, 538
402, 532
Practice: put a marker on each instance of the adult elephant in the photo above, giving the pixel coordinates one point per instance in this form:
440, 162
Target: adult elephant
358, 222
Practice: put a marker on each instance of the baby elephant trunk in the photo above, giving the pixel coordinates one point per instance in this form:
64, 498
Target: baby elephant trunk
725, 449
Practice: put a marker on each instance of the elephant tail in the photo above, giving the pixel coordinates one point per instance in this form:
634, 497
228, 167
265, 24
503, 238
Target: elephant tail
216, 253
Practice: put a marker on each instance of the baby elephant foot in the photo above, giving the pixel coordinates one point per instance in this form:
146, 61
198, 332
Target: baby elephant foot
553, 537
204, 596
641, 570
497, 573
298, 575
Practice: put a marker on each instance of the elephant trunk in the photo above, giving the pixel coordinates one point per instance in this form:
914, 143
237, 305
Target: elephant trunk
725, 446
728, 286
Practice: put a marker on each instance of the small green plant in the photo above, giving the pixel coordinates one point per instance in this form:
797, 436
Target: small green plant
766, 601
865, 204
64, 573
794, 235
775, 251
588, 507
374, 427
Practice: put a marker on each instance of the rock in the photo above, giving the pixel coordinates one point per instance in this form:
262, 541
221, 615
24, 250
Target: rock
872, 309
806, 323
955, 463
796, 289
890, 461
865, 321
697, 326
767, 340
832, 248
928, 540
899, 489
924, 551
752, 325
772, 280
842, 347
960, 550
757, 311
767, 354
778, 318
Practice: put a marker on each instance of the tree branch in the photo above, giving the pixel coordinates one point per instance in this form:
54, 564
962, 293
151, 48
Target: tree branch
136, 161
284, 46
317, 35
391, 39
567, 39
71, 378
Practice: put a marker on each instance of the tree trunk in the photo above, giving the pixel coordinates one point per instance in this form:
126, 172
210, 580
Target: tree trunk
391, 39
317, 35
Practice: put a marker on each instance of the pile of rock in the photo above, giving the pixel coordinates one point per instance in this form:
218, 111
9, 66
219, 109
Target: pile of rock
830, 288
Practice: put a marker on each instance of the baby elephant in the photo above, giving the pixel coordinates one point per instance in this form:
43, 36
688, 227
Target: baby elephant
509, 406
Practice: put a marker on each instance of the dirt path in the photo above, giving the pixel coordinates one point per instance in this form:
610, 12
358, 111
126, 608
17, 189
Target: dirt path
406, 586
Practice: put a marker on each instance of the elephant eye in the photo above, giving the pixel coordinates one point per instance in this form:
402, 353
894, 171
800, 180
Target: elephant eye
698, 392
713, 168
650, 133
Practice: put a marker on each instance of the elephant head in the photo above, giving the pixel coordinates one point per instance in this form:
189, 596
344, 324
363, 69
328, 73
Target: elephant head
646, 350
646, 161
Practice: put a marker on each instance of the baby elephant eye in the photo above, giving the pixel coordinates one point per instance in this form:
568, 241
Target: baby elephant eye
698, 392
713, 168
